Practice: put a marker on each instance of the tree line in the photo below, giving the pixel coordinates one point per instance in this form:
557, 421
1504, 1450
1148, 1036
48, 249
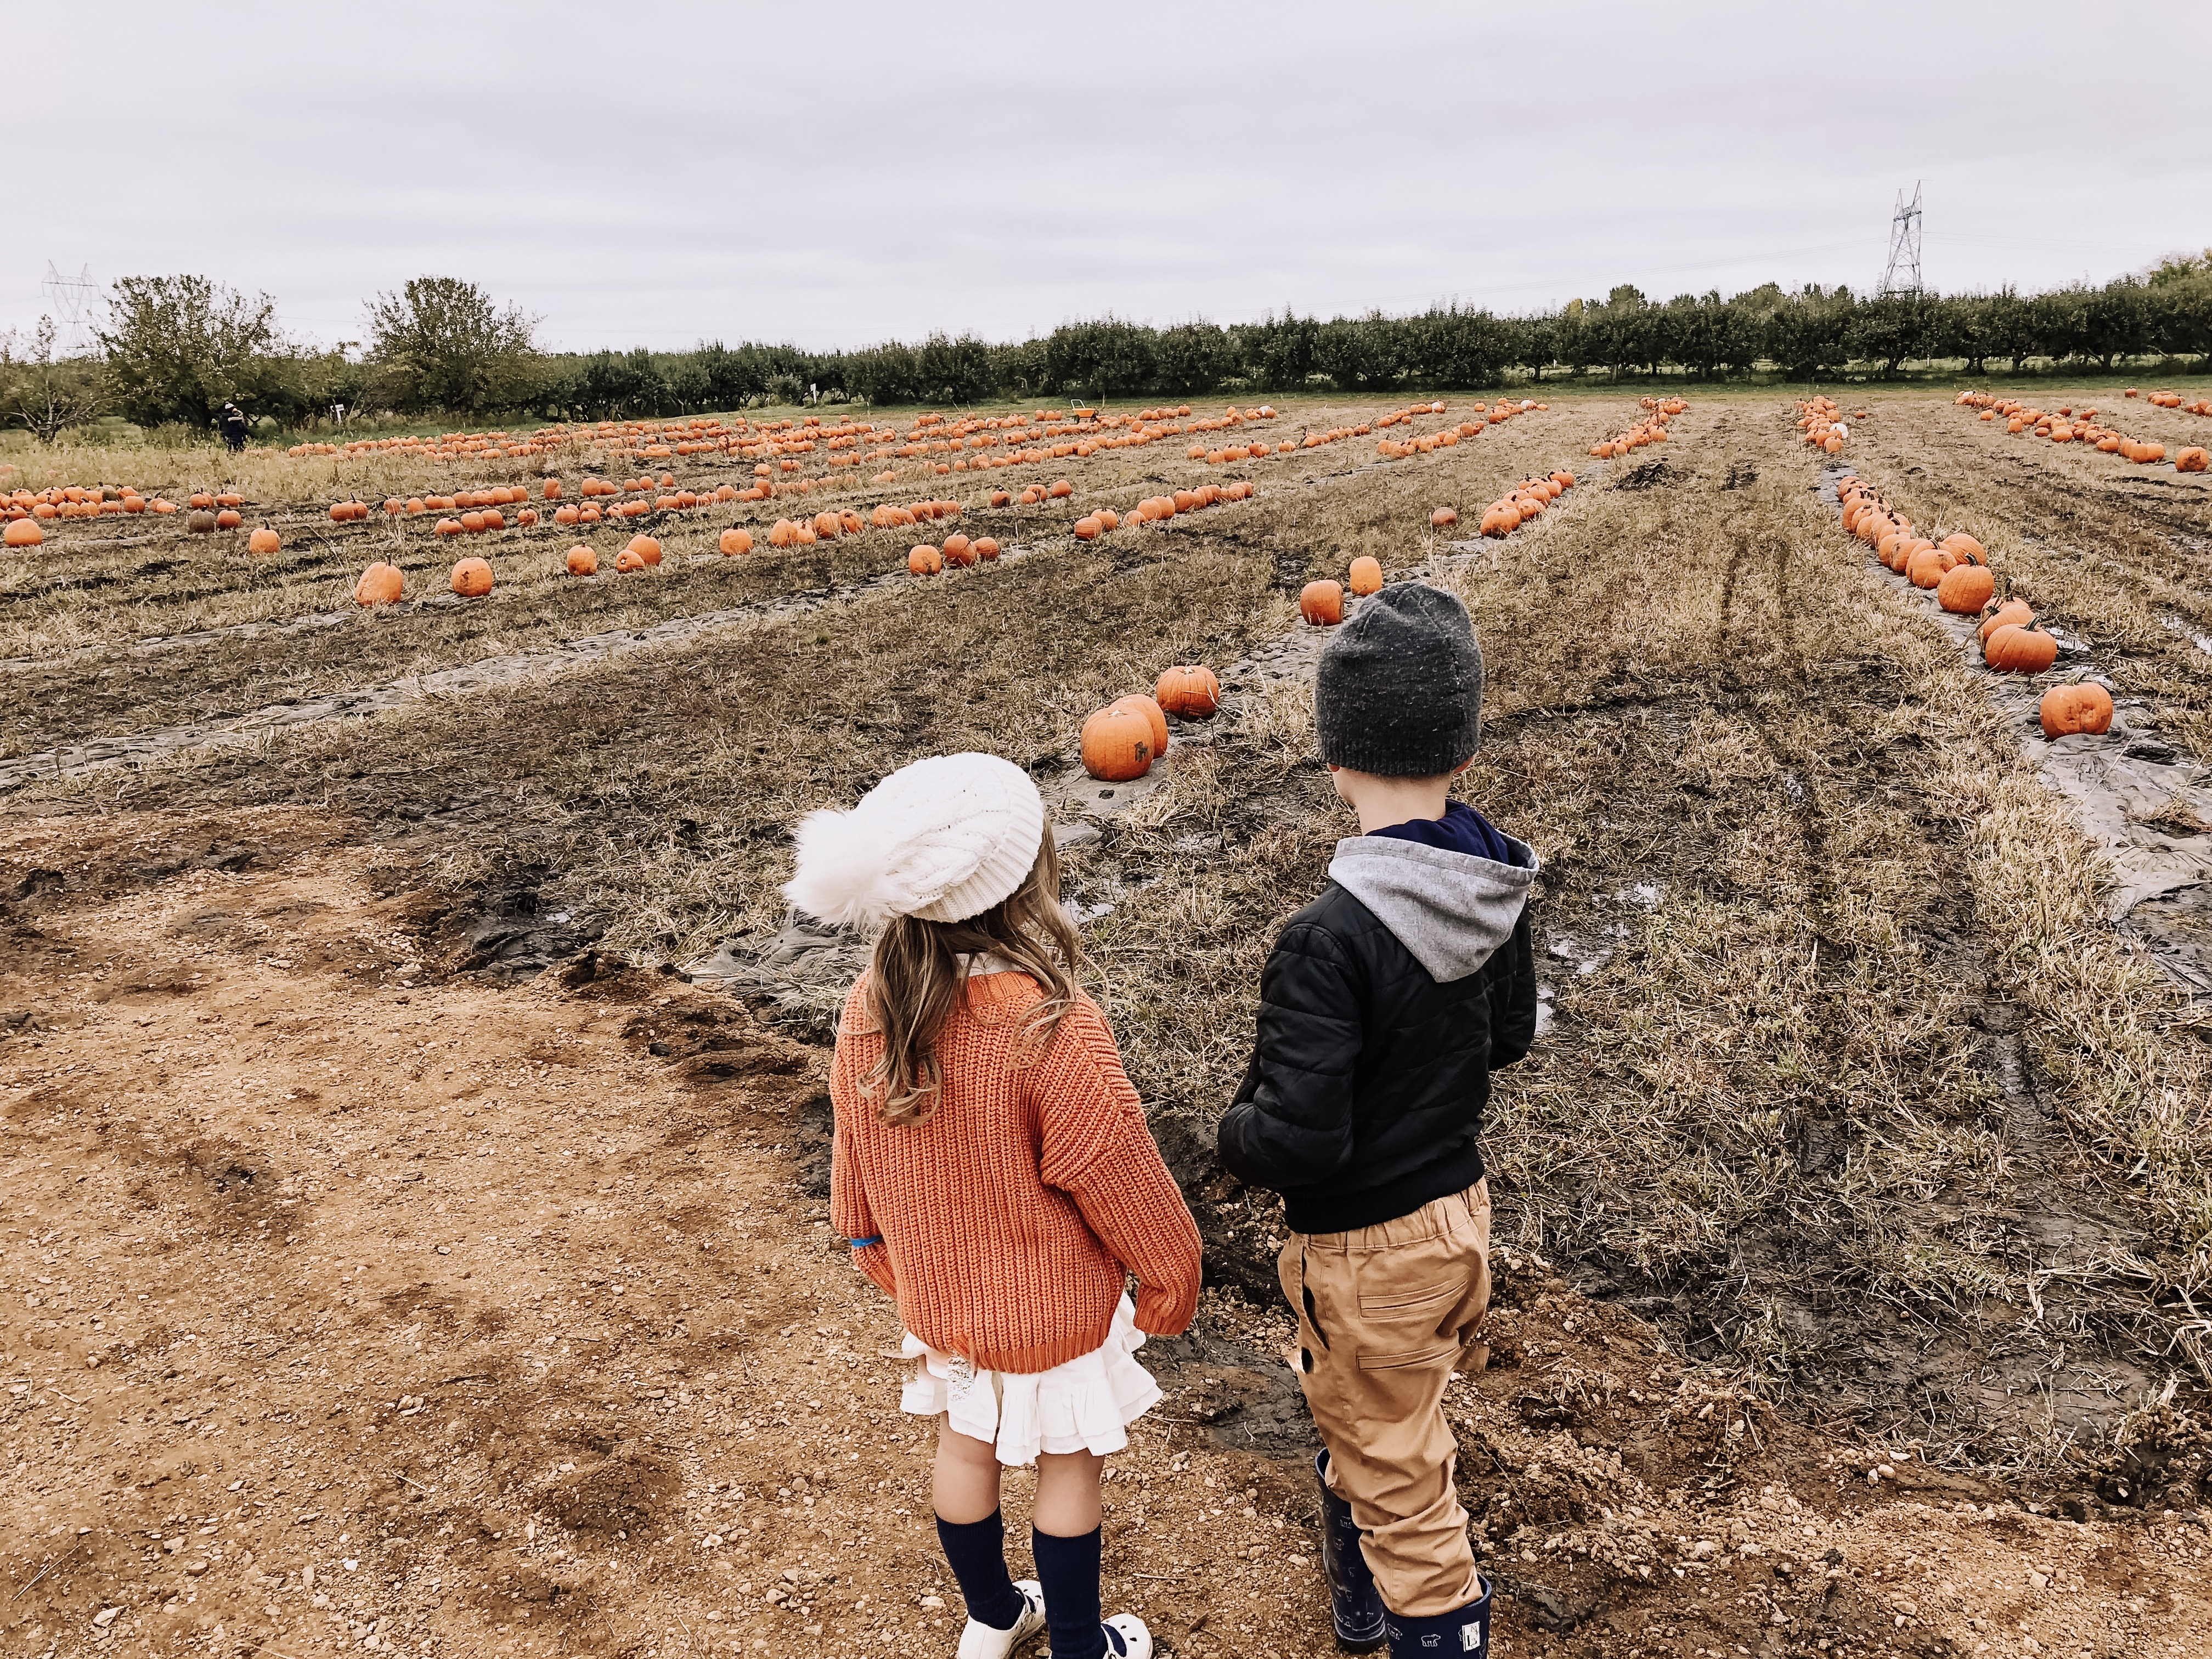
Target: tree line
172, 349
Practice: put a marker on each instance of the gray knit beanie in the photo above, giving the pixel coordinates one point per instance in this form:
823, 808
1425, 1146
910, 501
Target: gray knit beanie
1399, 691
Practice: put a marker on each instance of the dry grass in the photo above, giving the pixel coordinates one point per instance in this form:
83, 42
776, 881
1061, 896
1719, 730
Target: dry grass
1858, 1092
1784, 1112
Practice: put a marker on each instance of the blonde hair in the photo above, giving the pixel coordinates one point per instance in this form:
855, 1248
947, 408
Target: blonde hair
918, 979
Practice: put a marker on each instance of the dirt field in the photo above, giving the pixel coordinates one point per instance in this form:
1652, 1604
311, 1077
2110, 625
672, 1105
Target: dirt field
1857, 1205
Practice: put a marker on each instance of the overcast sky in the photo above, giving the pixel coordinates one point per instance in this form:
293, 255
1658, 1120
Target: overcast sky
838, 171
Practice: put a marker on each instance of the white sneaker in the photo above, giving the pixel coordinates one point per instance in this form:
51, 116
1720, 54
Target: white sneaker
1136, 1641
982, 1641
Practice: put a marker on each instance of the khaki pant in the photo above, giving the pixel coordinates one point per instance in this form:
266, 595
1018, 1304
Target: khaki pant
1386, 1314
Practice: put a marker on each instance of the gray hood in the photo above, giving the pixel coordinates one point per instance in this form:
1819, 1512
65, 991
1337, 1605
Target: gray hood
1450, 909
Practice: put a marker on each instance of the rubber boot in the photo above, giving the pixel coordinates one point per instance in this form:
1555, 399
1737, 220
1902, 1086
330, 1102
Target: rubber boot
1446, 1635
1355, 1604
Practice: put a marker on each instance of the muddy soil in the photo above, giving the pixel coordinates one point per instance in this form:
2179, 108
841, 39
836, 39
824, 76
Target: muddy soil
355, 1301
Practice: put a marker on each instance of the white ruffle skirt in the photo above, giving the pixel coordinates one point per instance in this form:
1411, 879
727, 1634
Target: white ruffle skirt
1085, 1405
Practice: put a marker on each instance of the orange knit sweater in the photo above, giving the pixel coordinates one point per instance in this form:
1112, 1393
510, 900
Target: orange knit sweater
1009, 1217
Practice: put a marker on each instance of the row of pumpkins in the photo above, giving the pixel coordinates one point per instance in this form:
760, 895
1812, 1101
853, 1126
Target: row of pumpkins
1516, 506
2172, 400
1121, 741
1651, 429
2066, 426
1957, 568
471, 578
1822, 423
79, 502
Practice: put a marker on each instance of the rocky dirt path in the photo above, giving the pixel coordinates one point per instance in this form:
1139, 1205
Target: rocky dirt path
350, 1305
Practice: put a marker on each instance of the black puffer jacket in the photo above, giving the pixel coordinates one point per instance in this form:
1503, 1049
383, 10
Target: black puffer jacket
1385, 1006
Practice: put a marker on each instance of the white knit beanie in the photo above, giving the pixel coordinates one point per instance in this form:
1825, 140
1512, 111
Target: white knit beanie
943, 839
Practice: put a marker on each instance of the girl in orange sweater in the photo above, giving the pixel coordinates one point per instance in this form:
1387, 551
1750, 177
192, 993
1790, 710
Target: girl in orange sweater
994, 1171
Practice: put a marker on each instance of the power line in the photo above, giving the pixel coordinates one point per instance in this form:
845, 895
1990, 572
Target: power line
70, 302
1902, 275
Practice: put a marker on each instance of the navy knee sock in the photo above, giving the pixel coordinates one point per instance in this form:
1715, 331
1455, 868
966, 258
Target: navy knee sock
977, 1552
1068, 1570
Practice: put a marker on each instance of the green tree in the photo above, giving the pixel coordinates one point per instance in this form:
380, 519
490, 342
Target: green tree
1191, 359
1359, 353
2115, 321
1888, 330
954, 371
2180, 268
442, 343
1806, 332
178, 348
44, 394
2180, 319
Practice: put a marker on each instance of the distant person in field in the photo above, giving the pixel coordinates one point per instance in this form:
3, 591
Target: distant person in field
1384, 1008
993, 1170
233, 427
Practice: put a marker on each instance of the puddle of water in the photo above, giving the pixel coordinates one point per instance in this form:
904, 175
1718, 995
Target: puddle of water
2175, 625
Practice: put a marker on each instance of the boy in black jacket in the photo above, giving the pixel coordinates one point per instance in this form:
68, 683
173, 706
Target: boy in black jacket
1387, 1002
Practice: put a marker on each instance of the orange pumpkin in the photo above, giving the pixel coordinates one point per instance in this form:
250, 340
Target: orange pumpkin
2192, 460
627, 563
23, 532
228, 519
924, 560
1153, 714
380, 583
1322, 603
645, 548
1965, 547
552, 489
583, 561
2011, 613
959, 550
1366, 575
1966, 588
264, 540
1924, 567
987, 547
1117, 744
1000, 498
1088, 529
2068, 710
1189, 691
472, 579
734, 541
2014, 649
1442, 519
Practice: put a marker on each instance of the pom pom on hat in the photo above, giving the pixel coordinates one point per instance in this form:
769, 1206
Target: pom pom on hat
943, 839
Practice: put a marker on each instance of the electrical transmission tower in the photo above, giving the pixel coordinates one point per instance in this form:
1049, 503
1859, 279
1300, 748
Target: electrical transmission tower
70, 302
1902, 274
